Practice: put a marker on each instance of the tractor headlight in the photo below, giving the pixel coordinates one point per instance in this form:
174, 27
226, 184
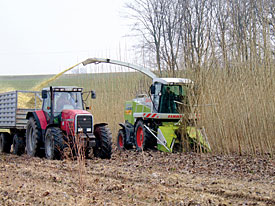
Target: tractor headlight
80, 129
89, 129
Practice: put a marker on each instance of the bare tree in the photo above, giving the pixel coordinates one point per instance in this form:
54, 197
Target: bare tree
172, 26
200, 33
222, 17
271, 22
148, 16
196, 32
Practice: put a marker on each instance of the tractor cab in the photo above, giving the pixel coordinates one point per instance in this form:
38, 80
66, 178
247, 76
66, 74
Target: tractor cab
64, 104
61, 98
169, 95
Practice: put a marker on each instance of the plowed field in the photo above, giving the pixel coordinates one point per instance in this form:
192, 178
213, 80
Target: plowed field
131, 178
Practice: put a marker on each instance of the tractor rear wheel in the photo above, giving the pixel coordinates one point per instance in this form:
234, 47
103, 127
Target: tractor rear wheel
5, 142
33, 135
18, 145
54, 143
103, 148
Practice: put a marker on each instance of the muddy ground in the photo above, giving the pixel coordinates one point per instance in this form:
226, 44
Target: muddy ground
130, 178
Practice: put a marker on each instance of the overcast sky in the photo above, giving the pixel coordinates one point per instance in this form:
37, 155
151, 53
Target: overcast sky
48, 36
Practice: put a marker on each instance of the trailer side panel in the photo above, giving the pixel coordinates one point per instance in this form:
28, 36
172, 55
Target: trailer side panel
8, 106
10, 115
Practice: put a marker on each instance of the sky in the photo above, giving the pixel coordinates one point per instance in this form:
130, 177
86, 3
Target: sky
49, 36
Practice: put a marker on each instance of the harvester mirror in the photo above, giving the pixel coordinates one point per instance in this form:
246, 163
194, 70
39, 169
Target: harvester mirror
44, 94
93, 94
152, 88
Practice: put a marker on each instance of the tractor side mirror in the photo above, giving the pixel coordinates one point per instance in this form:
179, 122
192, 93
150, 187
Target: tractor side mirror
152, 88
44, 94
93, 94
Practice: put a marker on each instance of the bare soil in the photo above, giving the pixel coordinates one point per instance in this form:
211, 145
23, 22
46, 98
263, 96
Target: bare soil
131, 178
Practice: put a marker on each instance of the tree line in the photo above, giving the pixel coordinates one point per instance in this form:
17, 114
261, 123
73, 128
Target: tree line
199, 34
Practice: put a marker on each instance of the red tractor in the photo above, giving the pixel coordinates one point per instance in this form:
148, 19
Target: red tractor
61, 120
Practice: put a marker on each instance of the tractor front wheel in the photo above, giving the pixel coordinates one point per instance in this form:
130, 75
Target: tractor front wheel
103, 148
54, 143
33, 135
5, 142
18, 145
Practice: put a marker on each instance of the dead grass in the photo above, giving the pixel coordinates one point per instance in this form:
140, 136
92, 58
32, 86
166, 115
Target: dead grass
237, 107
240, 118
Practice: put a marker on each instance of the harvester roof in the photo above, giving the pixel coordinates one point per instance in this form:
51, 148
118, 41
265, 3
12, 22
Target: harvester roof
169, 81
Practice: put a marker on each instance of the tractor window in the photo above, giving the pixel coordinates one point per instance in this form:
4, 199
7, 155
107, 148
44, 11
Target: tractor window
47, 103
67, 100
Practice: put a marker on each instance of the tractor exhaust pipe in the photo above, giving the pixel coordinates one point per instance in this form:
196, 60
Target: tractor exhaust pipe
52, 105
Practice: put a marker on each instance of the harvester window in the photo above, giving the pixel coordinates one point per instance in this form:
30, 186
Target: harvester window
157, 96
167, 104
171, 98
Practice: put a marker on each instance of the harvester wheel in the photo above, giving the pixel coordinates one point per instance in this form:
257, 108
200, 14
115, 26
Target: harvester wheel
144, 139
121, 140
103, 148
5, 142
18, 145
54, 143
33, 135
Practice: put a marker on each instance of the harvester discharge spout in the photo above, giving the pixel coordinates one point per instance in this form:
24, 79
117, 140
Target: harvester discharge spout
120, 63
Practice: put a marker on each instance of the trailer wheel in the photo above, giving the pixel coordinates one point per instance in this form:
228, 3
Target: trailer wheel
5, 142
33, 135
54, 143
18, 145
103, 148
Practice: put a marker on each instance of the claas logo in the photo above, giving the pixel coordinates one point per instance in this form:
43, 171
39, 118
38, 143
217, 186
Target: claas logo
129, 112
128, 109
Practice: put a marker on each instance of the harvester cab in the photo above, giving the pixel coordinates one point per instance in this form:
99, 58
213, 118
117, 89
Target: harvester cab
169, 95
161, 119
62, 122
